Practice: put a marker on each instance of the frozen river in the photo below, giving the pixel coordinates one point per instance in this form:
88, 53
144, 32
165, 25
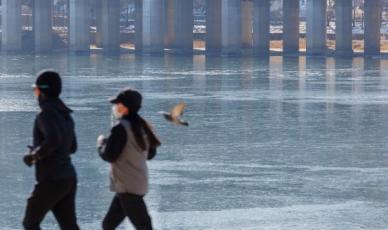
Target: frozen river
278, 143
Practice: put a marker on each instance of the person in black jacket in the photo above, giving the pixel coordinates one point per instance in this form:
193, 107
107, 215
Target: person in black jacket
54, 140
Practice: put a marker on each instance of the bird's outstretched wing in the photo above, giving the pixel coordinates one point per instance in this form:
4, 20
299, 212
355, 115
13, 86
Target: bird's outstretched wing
178, 110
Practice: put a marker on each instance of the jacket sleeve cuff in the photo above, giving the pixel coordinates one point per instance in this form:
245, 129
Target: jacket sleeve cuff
36, 153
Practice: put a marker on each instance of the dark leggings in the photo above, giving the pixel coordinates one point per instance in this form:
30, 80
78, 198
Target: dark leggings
127, 205
55, 196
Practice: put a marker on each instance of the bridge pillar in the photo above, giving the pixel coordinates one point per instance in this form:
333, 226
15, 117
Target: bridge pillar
79, 25
343, 31
247, 13
150, 26
231, 27
290, 26
110, 26
372, 12
316, 27
98, 23
223, 27
11, 25
43, 32
213, 26
261, 24
180, 23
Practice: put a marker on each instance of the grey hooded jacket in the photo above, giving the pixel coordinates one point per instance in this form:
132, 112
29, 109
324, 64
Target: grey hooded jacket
129, 171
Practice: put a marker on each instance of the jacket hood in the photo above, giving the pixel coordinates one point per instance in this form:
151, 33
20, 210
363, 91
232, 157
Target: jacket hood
55, 103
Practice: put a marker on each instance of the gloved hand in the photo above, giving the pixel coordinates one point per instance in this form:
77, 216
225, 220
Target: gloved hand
101, 140
29, 159
31, 156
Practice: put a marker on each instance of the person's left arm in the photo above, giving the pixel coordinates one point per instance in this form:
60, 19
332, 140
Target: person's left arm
48, 127
112, 147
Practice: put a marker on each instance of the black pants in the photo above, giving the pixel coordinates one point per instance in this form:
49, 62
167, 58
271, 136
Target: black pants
55, 196
127, 205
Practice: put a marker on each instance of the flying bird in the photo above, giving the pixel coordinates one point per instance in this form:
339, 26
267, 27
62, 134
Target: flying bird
175, 114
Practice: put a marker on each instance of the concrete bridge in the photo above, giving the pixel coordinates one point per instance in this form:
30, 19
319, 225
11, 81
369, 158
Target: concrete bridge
232, 25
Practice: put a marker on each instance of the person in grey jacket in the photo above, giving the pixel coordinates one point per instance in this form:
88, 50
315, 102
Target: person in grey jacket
129, 146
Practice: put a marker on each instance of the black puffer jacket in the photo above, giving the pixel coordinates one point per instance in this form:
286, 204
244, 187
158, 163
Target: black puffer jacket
55, 136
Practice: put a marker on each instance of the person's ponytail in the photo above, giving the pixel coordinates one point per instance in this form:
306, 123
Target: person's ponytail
138, 124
